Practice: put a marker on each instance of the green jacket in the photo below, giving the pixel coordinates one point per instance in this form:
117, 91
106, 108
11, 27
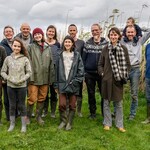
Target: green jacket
16, 70
76, 75
42, 64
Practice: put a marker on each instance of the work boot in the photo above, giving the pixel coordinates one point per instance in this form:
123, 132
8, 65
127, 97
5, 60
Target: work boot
70, 120
148, 116
79, 106
39, 109
29, 113
12, 123
63, 119
53, 108
23, 121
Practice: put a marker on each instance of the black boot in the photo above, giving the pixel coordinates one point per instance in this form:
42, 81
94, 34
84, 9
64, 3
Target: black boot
39, 109
53, 108
63, 119
70, 120
29, 113
79, 106
1, 117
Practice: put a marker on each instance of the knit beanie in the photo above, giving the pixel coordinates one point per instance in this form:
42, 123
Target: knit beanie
37, 30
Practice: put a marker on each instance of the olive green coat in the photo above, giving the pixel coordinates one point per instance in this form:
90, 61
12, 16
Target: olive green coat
42, 64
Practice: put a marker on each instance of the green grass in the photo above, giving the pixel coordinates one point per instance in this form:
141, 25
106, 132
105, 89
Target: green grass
85, 135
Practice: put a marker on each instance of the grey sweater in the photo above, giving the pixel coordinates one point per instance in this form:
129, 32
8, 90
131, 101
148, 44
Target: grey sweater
16, 70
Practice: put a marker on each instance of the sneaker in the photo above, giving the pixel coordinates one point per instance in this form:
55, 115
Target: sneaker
92, 116
131, 117
107, 128
147, 121
44, 115
122, 130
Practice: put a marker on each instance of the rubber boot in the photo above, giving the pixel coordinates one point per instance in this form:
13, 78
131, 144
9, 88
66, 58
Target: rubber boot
23, 121
39, 109
63, 119
53, 108
29, 113
12, 123
79, 106
0, 118
148, 115
70, 120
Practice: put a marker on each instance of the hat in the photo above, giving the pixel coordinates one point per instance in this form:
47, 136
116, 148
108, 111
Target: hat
37, 30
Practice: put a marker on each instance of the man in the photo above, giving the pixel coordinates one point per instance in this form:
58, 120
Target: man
25, 35
72, 30
91, 54
135, 55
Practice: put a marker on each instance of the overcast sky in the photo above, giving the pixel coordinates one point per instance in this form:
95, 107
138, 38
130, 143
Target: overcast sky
41, 13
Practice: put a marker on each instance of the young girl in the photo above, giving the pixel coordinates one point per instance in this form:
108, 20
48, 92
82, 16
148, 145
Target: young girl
43, 73
69, 75
113, 66
16, 70
51, 39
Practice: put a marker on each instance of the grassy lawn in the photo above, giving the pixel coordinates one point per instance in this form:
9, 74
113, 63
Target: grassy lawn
85, 135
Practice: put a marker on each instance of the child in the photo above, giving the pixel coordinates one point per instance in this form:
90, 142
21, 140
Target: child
43, 74
131, 22
16, 70
113, 66
69, 75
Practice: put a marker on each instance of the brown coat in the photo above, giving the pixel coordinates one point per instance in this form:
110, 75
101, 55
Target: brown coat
111, 89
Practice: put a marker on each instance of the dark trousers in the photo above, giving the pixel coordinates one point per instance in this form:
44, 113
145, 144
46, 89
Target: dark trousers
1, 104
6, 101
17, 98
63, 102
53, 98
91, 79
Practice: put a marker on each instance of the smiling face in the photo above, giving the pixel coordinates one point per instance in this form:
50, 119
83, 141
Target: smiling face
25, 30
16, 46
38, 37
50, 33
130, 32
114, 37
8, 33
68, 44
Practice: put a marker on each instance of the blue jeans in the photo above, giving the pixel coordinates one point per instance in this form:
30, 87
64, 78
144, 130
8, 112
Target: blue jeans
147, 90
134, 77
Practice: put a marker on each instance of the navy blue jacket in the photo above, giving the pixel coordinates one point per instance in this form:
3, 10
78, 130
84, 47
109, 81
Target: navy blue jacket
5, 44
91, 54
147, 56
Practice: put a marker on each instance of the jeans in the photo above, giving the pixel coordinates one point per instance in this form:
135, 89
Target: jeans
147, 90
134, 77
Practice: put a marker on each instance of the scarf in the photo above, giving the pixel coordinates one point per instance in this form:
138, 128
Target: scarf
118, 62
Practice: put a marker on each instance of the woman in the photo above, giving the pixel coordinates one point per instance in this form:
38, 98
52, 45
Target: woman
51, 34
6, 43
43, 73
113, 66
16, 70
69, 75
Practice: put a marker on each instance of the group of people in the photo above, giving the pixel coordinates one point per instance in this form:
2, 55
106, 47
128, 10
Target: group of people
37, 67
